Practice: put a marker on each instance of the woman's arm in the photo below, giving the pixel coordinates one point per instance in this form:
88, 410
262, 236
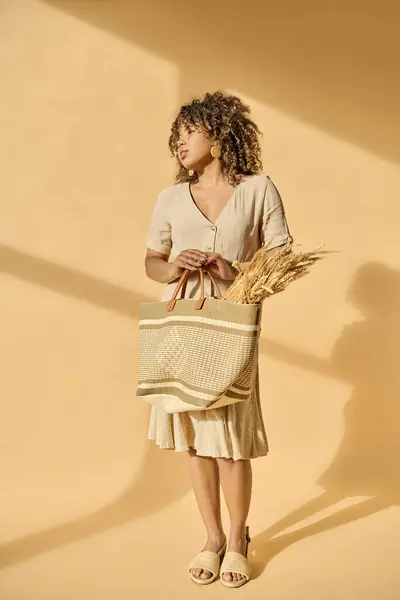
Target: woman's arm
159, 269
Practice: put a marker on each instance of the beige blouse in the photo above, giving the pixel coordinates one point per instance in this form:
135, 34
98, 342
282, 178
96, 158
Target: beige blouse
253, 216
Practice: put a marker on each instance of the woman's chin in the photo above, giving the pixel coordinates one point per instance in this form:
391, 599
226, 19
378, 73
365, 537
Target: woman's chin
188, 165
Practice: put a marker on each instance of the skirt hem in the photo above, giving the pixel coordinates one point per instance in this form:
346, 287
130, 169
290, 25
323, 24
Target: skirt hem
251, 456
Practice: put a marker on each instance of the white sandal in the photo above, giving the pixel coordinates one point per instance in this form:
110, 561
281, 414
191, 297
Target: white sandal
208, 561
234, 562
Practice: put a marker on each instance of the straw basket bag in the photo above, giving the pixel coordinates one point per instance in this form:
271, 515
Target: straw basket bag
197, 354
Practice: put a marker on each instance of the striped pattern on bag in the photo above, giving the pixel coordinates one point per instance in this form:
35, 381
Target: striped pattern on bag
197, 359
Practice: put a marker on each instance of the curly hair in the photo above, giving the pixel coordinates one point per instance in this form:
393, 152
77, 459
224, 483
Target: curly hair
225, 119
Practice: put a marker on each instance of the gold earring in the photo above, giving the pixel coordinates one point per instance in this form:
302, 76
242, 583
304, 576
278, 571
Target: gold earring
216, 152
191, 172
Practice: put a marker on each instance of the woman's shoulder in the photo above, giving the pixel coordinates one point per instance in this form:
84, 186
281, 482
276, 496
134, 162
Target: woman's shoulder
258, 184
173, 190
171, 194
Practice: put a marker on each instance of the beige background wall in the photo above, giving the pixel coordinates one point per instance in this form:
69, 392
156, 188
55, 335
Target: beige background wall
88, 90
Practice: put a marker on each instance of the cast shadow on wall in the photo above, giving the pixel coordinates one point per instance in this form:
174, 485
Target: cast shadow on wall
335, 66
366, 462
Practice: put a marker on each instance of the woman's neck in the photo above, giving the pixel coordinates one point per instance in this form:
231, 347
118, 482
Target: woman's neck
211, 175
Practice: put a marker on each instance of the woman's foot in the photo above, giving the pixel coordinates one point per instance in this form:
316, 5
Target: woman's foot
212, 545
239, 545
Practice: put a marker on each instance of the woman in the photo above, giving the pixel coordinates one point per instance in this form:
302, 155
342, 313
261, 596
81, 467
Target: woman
221, 209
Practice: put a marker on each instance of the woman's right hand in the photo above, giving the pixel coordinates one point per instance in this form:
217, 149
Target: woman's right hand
190, 259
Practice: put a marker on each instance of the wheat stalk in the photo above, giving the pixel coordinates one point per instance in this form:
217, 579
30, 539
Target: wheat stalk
270, 273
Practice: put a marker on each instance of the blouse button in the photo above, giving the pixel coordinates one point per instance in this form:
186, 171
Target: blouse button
213, 228
210, 248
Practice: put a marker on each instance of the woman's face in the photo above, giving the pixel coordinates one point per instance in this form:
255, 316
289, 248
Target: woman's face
194, 148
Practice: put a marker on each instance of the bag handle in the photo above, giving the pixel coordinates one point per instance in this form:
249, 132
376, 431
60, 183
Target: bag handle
204, 270
183, 279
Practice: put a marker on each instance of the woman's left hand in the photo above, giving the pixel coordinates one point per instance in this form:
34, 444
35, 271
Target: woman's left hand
220, 267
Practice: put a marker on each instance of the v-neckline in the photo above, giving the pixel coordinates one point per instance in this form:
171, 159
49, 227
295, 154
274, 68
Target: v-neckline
224, 208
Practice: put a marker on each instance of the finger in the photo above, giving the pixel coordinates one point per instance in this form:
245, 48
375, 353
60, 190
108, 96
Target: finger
194, 259
213, 258
189, 265
213, 255
189, 258
194, 262
195, 254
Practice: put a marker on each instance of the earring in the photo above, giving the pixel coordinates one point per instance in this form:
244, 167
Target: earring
191, 172
216, 152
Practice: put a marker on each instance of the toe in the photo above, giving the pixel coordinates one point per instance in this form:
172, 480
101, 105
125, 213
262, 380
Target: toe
206, 575
197, 572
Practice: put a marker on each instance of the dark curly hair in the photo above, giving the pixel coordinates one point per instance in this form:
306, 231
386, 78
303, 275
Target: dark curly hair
226, 119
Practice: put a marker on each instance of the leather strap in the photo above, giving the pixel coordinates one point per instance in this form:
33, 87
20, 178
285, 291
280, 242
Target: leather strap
182, 282
200, 301
215, 284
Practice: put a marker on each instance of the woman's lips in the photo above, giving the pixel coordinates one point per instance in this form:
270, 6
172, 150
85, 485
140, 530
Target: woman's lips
183, 153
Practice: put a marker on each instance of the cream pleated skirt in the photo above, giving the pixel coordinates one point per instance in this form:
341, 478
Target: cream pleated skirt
236, 431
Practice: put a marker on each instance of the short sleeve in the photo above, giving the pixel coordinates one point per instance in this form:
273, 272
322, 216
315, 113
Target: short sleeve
274, 227
159, 232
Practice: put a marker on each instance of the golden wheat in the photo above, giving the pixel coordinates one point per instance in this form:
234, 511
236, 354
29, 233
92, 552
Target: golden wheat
269, 273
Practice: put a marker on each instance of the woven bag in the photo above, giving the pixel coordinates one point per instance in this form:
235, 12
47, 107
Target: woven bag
197, 354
